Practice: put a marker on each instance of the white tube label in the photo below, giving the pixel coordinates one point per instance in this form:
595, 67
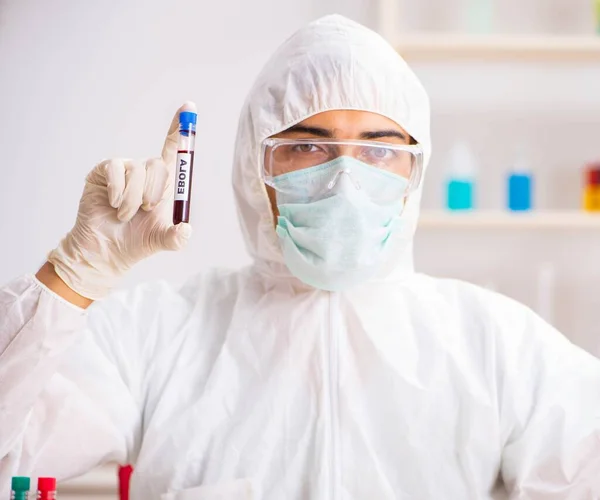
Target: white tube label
182, 177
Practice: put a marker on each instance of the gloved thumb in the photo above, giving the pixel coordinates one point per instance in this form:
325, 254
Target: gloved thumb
175, 237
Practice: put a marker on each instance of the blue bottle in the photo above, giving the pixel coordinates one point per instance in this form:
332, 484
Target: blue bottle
461, 179
520, 187
460, 194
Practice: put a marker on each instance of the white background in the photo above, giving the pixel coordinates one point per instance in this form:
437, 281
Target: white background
83, 81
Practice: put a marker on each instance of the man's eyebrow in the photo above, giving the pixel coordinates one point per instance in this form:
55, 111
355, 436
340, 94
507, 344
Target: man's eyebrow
326, 133
316, 131
379, 134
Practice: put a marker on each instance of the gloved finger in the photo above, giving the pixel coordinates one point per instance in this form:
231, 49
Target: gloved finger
157, 176
115, 181
135, 175
169, 150
173, 237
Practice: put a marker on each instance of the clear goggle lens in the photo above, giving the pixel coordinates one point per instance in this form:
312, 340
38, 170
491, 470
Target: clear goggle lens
287, 156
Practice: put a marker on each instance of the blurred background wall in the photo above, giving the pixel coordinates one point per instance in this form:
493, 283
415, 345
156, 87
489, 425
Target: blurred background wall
519, 82
83, 81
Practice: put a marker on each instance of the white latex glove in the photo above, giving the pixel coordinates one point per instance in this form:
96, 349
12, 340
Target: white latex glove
111, 233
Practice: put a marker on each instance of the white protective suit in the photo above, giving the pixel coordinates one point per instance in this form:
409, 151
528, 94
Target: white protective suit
250, 385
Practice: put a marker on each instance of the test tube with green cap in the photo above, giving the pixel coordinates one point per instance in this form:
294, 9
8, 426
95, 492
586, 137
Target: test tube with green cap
20, 488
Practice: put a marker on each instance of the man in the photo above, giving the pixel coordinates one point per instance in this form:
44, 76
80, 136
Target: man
328, 369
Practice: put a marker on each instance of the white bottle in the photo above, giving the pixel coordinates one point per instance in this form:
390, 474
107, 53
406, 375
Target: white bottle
480, 15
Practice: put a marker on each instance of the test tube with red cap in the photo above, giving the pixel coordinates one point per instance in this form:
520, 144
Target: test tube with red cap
184, 166
46, 488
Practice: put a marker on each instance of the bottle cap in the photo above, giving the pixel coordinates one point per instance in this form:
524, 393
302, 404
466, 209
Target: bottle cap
521, 165
20, 483
593, 174
46, 484
462, 161
187, 118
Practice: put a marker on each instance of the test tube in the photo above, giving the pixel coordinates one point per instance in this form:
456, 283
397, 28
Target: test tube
46, 488
20, 488
184, 167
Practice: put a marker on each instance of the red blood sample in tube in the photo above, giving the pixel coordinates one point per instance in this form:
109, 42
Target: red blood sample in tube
184, 167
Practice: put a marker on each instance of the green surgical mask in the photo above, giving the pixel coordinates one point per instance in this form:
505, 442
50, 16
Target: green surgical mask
339, 240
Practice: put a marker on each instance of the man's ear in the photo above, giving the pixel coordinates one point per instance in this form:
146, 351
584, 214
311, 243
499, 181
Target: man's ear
273, 202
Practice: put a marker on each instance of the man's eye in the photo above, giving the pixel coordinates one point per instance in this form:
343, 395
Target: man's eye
305, 148
379, 153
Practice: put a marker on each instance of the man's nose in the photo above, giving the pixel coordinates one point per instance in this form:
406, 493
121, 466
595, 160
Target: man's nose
345, 150
343, 181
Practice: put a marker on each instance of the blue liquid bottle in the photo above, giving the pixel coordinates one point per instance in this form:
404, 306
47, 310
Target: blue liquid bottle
520, 187
461, 179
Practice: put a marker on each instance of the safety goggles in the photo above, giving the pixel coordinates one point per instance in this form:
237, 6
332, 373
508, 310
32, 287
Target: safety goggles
282, 157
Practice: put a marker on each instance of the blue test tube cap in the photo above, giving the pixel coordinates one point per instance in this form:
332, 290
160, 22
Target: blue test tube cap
187, 118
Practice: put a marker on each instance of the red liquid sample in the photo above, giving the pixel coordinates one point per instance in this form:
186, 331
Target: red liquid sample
181, 208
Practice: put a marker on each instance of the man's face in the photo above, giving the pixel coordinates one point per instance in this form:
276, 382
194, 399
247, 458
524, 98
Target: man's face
343, 124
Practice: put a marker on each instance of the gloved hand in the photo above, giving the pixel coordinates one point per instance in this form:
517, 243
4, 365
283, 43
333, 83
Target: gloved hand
111, 233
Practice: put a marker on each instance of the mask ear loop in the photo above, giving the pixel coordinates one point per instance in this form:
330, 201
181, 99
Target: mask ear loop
348, 171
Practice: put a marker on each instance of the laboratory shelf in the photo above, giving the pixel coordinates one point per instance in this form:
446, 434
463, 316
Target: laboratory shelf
439, 46
507, 220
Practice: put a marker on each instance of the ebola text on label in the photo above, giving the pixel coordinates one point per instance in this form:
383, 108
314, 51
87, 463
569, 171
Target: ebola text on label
182, 177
